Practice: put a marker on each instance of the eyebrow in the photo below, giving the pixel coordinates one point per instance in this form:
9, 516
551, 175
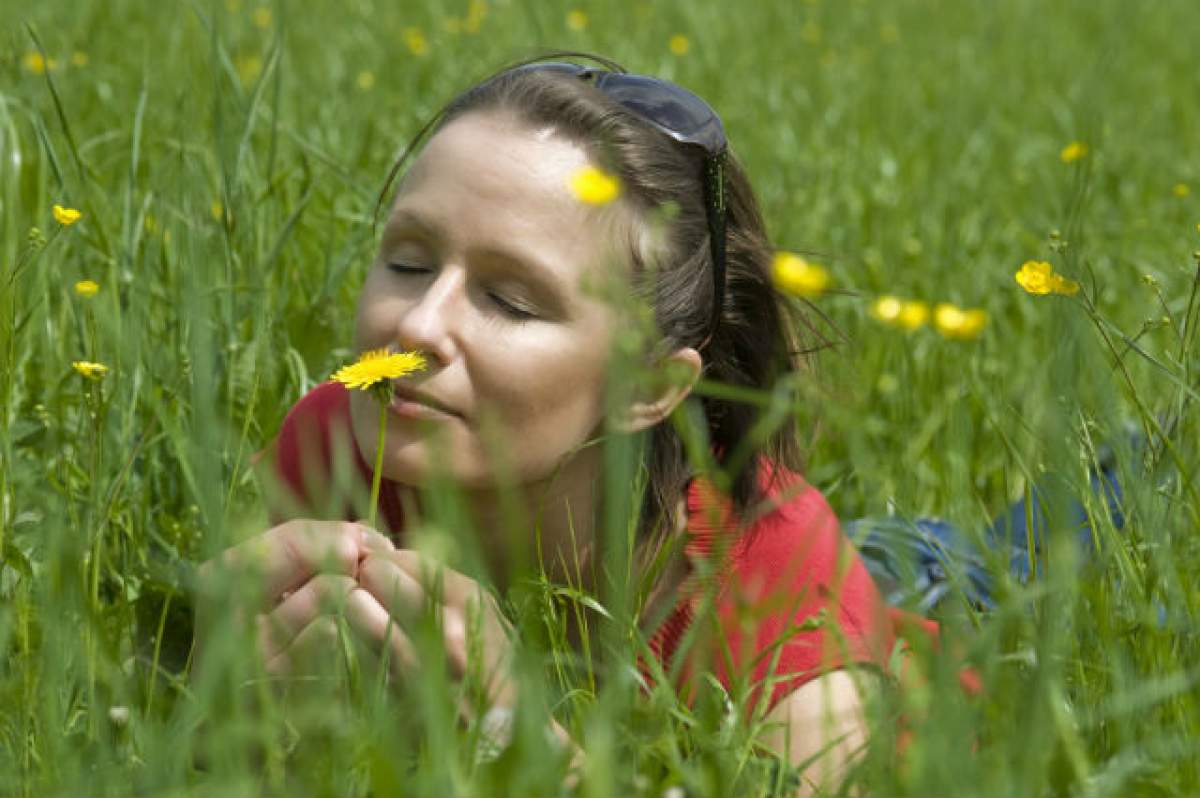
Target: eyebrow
541, 278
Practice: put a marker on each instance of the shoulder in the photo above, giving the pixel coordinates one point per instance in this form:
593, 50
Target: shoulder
796, 599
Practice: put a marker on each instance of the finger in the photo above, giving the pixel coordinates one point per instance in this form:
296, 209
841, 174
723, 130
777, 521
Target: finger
374, 541
317, 643
324, 594
371, 622
447, 585
393, 587
286, 556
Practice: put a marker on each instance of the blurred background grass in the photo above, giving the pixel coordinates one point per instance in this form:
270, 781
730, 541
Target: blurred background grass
227, 156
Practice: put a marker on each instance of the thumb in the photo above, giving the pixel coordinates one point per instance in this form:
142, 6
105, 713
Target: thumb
371, 540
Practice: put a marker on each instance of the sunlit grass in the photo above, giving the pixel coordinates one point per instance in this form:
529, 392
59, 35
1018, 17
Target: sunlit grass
225, 159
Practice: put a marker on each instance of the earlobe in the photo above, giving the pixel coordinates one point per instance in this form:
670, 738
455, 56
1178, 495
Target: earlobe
679, 370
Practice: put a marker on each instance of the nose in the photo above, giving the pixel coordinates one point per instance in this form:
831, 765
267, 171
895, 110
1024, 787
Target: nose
429, 323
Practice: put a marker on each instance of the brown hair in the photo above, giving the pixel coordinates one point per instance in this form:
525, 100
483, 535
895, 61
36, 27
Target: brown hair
757, 339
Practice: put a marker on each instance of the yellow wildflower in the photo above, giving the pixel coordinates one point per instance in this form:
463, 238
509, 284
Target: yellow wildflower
378, 365
35, 62
262, 17
415, 41
577, 20
1073, 152
913, 314
217, 210
679, 44
961, 323
795, 275
1181, 190
365, 80
66, 216
1038, 277
887, 308
79, 58
87, 288
93, 371
595, 187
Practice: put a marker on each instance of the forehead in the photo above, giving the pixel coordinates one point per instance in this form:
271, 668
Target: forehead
489, 182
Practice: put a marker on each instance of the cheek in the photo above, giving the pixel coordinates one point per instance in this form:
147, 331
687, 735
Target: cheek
552, 388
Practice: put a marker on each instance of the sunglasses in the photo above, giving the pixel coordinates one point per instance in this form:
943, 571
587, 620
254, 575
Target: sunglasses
686, 118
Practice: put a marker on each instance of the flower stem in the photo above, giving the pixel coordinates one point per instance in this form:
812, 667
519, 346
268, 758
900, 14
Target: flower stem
377, 475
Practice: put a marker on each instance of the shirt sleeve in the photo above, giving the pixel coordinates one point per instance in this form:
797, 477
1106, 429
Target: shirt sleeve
299, 462
315, 470
798, 603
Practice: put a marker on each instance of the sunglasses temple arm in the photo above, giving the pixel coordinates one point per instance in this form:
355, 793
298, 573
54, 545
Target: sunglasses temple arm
714, 202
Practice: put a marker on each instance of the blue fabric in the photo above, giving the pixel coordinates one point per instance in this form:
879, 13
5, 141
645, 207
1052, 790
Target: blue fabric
919, 562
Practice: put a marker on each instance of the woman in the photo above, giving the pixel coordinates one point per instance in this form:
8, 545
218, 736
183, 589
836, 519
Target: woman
494, 268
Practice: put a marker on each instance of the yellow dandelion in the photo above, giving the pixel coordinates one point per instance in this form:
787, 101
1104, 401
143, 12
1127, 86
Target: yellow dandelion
1073, 152
415, 41
262, 17
887, 308
577, 20
35, 62
378, 365
66, 216
913, 314
217, 210
1038, 277
959, 323
79, 58
87, 288
679, 44
92, 371
1181, 190
795, 275
594, 186
365, 80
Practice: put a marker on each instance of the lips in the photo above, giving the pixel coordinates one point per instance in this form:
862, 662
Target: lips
410, 394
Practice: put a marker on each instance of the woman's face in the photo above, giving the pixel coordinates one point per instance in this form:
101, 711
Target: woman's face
484, 266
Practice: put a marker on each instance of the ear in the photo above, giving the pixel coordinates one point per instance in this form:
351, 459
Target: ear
676, 374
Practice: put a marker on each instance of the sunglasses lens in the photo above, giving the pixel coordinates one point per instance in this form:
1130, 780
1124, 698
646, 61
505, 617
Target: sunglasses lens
676, 111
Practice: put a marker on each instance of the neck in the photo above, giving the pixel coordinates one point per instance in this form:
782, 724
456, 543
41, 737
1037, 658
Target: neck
547, 526
550, 527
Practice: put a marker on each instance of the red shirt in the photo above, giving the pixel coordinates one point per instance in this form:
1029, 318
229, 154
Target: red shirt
778, 600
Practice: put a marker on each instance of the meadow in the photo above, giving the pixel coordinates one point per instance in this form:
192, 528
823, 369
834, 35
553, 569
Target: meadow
226, 158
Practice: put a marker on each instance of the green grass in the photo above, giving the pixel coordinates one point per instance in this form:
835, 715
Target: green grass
913, 147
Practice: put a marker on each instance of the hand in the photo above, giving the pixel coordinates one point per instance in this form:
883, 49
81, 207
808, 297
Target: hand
299, 575
398, 586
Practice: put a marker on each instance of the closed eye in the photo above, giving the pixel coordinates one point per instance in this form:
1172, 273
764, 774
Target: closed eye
408, 268
512, 311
